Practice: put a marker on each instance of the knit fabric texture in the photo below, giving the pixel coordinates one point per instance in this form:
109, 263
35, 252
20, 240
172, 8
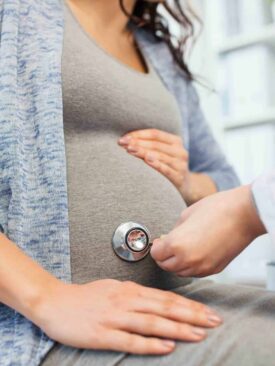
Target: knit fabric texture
33, 189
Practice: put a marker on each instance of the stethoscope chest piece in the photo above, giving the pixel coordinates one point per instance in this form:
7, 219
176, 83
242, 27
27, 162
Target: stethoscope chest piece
131, 241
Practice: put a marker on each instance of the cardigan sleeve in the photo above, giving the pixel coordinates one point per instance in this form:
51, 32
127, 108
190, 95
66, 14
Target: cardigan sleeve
4, 205
206, 156
5, 194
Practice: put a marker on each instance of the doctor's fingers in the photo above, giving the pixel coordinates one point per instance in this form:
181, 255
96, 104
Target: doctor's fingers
200, 271
185, 215
172, 264
162, 249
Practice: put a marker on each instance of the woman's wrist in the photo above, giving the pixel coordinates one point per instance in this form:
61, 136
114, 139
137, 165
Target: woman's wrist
35, 305
24, 284
196, 187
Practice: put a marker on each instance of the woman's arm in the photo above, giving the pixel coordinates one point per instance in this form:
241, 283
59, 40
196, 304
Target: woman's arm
197, 173
23, 283
200, 185
104, 314
166, 153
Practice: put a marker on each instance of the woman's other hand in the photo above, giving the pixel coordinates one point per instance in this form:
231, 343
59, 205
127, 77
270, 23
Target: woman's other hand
165, 153
122, 316
209, 234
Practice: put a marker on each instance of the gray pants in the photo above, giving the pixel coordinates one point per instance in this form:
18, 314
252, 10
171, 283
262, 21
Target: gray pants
247, 336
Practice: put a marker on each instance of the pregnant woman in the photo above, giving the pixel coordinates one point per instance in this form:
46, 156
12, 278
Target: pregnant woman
76, 77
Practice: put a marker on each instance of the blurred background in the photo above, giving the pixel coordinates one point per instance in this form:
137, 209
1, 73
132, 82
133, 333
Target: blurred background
235, 55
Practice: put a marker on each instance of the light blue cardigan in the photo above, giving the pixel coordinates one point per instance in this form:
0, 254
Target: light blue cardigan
33, 191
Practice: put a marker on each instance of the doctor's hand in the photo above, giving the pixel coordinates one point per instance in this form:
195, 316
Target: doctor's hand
165, 153
209, 234
122, 316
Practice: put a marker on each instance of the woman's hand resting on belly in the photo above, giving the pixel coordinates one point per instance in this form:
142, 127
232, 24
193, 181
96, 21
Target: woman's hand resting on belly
165, 153
122, 316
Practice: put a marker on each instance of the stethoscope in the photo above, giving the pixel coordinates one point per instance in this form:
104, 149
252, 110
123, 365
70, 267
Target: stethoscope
131, 241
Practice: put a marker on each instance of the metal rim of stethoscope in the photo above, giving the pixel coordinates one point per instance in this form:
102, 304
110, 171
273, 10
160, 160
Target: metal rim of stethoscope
121, 243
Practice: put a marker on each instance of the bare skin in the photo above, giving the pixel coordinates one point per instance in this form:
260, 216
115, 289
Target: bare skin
166, 153
210, 234
96, 315
106, 23
105, 314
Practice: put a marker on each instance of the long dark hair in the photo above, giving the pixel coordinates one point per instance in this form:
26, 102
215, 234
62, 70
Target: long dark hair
146, 15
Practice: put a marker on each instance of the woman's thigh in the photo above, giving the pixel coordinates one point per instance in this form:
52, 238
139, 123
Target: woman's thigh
247, 336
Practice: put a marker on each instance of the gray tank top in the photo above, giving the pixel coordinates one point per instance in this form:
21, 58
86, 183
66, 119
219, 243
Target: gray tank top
102, 100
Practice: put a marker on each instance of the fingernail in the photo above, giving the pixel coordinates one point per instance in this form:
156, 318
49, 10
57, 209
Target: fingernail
169, 344
210, 311
132, 149
214, 319
125, 139
199, 332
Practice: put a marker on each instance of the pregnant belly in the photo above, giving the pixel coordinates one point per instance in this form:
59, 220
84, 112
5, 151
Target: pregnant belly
106, 187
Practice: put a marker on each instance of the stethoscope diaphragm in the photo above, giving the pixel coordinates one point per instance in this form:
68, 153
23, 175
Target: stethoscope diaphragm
131, 241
